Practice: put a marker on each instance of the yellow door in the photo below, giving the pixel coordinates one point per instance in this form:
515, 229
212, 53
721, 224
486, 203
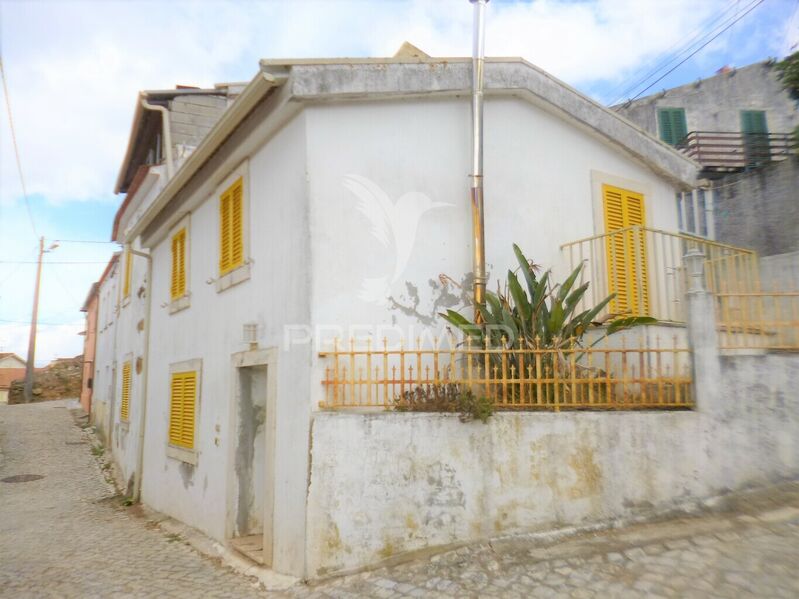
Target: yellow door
625, 220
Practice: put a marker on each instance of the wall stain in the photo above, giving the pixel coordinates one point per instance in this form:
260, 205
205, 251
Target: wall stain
589, 476
446, 294
186, 474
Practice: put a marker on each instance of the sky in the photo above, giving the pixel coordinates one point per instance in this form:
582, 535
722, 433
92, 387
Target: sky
74, 69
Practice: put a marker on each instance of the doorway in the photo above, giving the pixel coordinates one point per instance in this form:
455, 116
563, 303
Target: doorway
252, 465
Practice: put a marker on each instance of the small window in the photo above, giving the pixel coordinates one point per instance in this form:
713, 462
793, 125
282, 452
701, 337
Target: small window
178, 279
231, 227
124, 408
671, 122
182, 409
128, 273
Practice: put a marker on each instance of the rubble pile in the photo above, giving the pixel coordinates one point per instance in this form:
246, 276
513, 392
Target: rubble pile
61, 379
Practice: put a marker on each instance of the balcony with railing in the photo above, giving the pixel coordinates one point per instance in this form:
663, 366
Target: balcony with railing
645, 268
727, 151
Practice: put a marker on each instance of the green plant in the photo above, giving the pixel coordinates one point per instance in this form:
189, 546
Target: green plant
538, 314
447, 397
788, 71
98, 450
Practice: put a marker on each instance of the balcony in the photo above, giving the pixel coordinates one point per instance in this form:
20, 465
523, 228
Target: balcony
726, 151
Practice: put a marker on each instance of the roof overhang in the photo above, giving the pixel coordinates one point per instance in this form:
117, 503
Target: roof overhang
314, 80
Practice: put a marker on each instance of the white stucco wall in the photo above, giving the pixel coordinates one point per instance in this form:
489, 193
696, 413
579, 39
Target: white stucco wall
388, 483
210, 330
543, 179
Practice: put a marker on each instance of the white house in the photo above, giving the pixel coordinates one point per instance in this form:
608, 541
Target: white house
329, 199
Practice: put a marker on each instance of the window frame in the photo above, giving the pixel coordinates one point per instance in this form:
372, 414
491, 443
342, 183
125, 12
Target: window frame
672, 111
180, 452
240, 271
181, 302
125, 391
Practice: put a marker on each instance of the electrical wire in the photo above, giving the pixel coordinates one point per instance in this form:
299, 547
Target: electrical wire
667, 73
16, 148
680, 46
52, 262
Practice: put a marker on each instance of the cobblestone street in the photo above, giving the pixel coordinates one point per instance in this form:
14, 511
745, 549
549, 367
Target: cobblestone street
66, 535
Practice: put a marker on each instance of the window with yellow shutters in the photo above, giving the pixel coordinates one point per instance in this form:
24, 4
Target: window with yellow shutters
178, 277
124, 408
231, 227
182, 409
625, 220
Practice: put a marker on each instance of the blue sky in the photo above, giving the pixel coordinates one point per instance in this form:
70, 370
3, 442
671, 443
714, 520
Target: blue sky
74, 69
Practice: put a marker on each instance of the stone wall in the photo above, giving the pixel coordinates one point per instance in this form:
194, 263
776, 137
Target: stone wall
759, 209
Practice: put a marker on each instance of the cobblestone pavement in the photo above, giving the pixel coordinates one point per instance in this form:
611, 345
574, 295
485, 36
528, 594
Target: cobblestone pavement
749, 548
65, 535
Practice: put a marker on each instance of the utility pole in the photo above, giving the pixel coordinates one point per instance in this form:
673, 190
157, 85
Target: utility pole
34, 317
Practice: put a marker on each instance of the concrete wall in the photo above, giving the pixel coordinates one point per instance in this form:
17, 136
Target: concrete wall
780, 272
543, 180
759, 209
192, 117
383, 484
273, 292
715, 103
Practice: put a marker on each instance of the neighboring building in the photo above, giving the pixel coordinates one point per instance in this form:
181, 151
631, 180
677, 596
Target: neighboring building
12, 368
738, 125
104, 367
281, 224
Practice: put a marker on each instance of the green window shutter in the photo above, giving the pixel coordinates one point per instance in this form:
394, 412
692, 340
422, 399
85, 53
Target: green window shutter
672, 125
753, 121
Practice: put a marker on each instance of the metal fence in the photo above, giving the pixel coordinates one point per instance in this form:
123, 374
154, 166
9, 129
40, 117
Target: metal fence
759, 320
644, 267
610, 375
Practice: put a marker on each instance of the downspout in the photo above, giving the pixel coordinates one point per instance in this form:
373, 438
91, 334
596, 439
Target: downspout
137, 475
170, 170
478, 228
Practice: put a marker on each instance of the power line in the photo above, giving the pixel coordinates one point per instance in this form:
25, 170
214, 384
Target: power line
16, 148
685, 43
651, 85
47, 324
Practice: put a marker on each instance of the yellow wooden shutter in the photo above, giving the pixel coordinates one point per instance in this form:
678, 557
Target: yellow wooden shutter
124, 408
237, 224
178, 282
626, 250
224, 232
182, 409
127, 273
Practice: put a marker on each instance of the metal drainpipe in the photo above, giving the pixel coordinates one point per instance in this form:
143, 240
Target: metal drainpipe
170, 170
478, 228
137, 476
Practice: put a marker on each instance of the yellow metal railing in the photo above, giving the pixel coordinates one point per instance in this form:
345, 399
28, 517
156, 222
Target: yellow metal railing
758, 320
605, 376
644, 267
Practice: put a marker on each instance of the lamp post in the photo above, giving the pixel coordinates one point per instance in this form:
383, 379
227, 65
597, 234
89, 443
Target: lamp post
34, 315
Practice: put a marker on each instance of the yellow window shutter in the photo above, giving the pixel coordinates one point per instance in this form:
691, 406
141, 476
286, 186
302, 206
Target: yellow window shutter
178, 282
175, 408
616, 264
636, 250
237, 224
224, 232
182, 409
124, 408
182, 265
127, 274
626, 251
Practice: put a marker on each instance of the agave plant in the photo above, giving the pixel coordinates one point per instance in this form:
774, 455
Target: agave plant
538, 313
